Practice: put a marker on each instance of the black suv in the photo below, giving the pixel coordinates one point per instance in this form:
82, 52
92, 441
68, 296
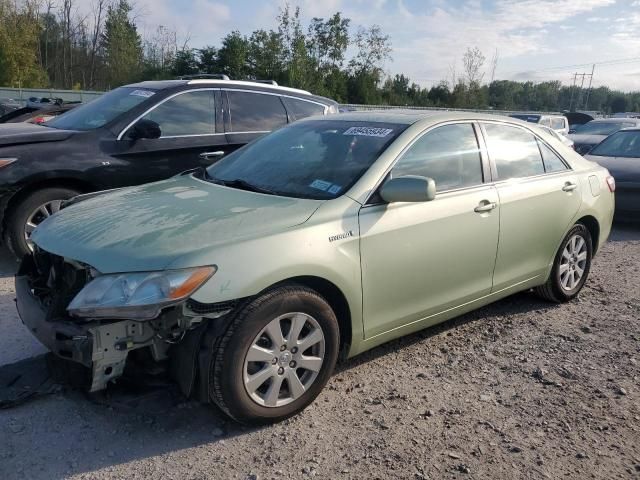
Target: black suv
131, 135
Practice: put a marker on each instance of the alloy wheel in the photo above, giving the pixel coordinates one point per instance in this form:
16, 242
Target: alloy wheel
284, 360
38, 216
573, 262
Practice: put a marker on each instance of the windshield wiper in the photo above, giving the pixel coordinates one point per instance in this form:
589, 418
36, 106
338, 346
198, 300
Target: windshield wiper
243, 185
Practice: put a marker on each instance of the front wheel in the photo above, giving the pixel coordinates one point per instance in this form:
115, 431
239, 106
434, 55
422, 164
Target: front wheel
570, 268
29, 213
276, 356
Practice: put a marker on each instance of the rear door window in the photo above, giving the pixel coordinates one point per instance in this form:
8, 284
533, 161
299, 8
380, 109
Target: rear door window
514, 151
303, 108
448, 154
255, 112
552, 162
190, 113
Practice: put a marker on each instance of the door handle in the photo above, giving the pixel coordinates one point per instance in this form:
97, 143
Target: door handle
485, 206
217, 153
569, 187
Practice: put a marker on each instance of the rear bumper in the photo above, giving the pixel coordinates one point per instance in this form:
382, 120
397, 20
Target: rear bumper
628, 200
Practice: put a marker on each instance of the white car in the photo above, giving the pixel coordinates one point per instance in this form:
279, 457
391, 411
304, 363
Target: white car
558, 136
558, 122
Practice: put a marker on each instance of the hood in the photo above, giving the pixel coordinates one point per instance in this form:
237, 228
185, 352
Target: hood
579, 139
623, 169
150, 226
21, 133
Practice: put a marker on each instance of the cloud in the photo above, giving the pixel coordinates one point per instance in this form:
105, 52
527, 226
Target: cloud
199, 21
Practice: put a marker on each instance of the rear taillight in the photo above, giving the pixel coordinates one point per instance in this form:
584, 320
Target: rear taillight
611, 183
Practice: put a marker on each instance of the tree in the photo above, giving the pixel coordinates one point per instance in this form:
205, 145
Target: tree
266, 55
472, 62
440, 95
208, 60
619, 104
122, 45
297, 61
98, 18
373, 49
328, 41
233, 55
185, 63
19, 45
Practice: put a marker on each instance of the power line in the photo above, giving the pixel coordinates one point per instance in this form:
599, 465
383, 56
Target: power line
577, 65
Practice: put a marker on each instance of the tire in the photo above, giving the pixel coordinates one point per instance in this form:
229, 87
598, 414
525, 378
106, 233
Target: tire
558, 288
16, 222
251, 402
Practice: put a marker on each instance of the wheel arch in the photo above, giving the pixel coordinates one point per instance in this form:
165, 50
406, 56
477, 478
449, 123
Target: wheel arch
337, 301
592, 224
63, 182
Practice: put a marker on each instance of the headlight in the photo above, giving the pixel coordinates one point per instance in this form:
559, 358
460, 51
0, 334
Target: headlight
137, 296
6, 161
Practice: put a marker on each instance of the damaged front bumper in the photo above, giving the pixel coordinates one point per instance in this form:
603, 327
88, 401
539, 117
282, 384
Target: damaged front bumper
101, 347
47, 283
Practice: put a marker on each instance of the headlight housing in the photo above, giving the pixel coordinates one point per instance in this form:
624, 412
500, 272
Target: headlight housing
7, 161
137, 296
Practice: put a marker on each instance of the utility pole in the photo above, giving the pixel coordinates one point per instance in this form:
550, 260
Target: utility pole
580, 92
579, 99
575, 77
586, 102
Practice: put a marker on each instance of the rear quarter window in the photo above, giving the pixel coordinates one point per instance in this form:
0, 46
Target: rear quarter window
303, 108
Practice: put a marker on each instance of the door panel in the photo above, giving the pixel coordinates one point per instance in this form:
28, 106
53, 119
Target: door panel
534, 215
189, 139
419, 259
148, 160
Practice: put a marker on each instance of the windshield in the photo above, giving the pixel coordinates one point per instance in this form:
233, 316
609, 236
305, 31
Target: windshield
526, 118
620, 144
102, 110
602, 128
317, 159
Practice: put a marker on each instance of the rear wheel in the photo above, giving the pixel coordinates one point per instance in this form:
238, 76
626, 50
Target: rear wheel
570, 268
276, 356
29, 213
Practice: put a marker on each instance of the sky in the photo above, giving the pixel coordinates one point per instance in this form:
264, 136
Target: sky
535, 40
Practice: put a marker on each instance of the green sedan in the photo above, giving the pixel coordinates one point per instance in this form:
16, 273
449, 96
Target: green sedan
250, 279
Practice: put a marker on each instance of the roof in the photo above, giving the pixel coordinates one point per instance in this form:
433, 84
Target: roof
539, 114
408, 117
164, 84
617, 120
158, 84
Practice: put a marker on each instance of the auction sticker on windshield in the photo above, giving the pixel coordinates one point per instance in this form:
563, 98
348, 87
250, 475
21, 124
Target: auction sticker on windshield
368, 131
142, 93
320, 185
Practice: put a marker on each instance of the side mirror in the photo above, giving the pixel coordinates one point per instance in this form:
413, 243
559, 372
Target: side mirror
409, 188
144, 129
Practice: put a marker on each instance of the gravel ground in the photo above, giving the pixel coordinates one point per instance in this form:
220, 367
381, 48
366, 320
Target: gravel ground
518, 389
